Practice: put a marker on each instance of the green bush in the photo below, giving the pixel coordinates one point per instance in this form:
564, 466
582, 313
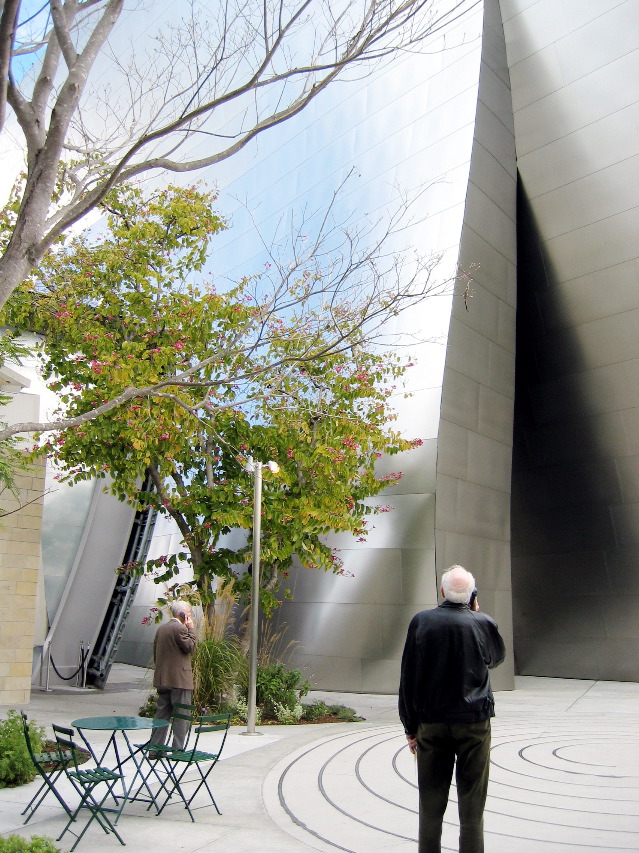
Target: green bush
318, 709
239, 710
218, 665
314, 711
344, 713
279, 690
35, 844
16, 767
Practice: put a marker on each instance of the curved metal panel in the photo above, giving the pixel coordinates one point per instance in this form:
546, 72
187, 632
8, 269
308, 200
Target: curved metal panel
575, 481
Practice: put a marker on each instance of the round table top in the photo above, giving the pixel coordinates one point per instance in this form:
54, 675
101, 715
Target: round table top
117, 723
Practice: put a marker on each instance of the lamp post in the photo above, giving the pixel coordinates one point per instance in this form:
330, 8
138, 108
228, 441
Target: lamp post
255, 468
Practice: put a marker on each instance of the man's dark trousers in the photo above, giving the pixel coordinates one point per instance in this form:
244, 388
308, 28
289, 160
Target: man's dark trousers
437, 746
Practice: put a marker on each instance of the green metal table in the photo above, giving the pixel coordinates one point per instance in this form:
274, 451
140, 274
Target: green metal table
122, 726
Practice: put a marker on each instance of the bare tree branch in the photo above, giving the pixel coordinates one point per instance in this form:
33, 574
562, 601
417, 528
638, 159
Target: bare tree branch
9, 10
268, 60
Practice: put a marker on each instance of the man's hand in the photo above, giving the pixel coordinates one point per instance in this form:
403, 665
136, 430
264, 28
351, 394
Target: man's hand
412, 743
188, 622
475, 605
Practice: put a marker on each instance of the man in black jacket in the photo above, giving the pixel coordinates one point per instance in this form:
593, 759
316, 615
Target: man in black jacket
445, 705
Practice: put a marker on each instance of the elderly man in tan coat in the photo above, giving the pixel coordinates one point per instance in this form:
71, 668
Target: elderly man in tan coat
173, 646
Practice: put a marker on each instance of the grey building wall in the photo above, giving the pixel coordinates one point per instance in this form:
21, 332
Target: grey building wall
472, 518
574, 71
453, 507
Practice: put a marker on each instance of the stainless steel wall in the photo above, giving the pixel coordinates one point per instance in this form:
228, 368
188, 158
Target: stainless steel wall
472, 518
574, 70
454, 506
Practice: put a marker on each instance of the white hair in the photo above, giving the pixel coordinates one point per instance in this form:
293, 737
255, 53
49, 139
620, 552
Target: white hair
457, 585
180, 607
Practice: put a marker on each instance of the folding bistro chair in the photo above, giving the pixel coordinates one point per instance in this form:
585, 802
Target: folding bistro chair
180, 762
85, 782
156, 753
184, 713
50, 766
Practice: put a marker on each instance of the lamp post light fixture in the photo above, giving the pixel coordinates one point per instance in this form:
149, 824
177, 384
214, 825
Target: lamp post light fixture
255, 468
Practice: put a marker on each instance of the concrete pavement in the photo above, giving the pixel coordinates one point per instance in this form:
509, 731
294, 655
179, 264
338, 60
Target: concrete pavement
564, 778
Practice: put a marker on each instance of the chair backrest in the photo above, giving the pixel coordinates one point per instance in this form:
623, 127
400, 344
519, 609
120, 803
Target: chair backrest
27, 737
183, 712
212, 723
67, 747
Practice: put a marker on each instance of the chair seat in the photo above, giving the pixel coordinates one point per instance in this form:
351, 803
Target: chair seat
99, 774
86, 783
193, 755
153, 747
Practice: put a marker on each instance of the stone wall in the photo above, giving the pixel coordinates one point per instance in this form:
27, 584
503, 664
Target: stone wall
20, 530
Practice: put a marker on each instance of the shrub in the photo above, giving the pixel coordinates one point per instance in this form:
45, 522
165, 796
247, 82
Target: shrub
16, 767
239, 710
279, 686
35, 844
344, 714
218, 664
286, 715
318, 709
314, 711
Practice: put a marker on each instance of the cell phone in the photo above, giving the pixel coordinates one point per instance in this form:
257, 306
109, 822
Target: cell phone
473, 596
182, 616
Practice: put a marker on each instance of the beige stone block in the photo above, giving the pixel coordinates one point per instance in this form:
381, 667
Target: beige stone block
19, 616
13, 631
27, 588
29, 575
19, 637
7, 588
10, 573
19, 548
7, 502
20, 562
4, 669
26, 534
32, 522
15, 696
25, 640
20, 670
34, 510
27, 482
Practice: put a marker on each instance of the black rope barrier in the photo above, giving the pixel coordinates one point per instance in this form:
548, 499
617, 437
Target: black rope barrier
80, 668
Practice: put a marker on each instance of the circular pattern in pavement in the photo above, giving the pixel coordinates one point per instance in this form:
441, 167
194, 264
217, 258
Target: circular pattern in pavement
356, 791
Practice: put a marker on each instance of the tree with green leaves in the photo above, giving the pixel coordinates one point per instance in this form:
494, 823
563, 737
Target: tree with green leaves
337, 286
287, 374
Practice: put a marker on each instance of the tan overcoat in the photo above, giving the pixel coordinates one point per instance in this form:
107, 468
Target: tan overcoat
172, 649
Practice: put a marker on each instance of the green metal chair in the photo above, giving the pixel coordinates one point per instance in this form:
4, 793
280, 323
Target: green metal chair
181, 712
85, 782
156, 753
180, 762
50, 766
